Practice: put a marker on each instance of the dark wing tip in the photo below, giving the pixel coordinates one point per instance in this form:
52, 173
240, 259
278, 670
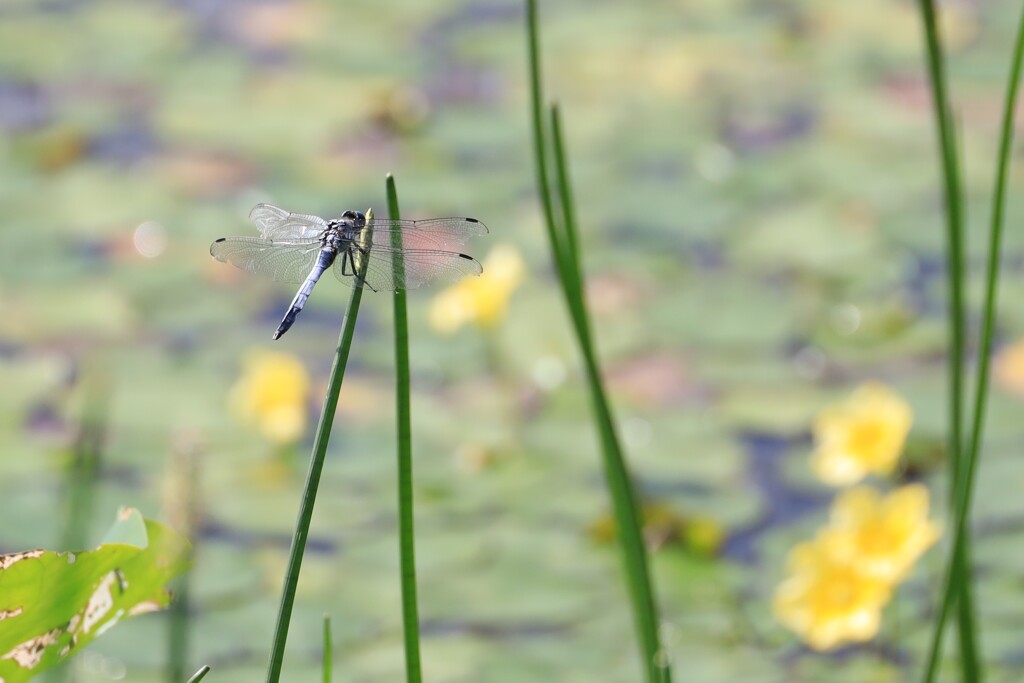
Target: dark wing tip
212, 246
476, 264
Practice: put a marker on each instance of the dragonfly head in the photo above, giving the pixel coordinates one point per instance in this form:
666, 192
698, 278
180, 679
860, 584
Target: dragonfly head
354, 219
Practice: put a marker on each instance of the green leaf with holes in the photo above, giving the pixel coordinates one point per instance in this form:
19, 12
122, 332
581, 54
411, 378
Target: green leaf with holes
52, 604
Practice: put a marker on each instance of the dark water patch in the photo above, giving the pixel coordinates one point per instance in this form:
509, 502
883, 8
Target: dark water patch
782, 503
921, 283
496, 630
795, 122
437, 37
24, 106
885, 652
123, 476
215, 531
129, 143
455, 82
45, 420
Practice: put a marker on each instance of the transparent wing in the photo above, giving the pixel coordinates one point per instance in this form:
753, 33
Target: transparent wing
443, 234
282, 261
277, 224
420, 266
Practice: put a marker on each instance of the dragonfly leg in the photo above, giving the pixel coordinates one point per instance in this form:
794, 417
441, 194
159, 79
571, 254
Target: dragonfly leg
366, 254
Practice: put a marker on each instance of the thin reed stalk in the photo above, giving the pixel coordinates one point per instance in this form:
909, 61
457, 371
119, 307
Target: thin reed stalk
316, 465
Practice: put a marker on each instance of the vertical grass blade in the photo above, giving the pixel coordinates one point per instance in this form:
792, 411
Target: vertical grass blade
328, 647
80, 478
956, 576
957, 325
570, 243
406, 536
177, 629
954, 233
565, 251
181, 509
86, 461
540, 147
316, 465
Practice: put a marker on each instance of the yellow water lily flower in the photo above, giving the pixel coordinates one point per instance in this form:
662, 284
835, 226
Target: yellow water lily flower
1008, 370
480, 300
862, 435
272, 395
827, 600
884, 536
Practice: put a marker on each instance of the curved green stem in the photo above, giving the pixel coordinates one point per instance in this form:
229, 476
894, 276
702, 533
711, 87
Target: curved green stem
956, 574
565, 250
955, 277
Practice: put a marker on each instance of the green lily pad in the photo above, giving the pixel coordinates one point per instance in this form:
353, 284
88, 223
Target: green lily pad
56, 603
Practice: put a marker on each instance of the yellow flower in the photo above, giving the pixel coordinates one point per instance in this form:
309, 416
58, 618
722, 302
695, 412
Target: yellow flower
883, 536
827, 600
271, 395
860, 436
481, 300
1009, 368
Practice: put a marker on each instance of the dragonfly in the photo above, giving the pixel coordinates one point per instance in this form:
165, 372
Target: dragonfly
361, 250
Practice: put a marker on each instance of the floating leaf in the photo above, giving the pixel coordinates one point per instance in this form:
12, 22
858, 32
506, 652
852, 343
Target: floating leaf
54, 603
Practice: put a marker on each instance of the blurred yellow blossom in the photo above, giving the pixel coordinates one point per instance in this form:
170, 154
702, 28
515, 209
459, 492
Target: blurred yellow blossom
828, 600
704, 536
481, 300
883, 536
1008, 370
862, 435
272, 395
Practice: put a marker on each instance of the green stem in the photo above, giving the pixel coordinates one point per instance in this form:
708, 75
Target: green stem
955, 575
177, 637
328, 647
954, 235
316, 465
628, 518
540, 154
571, 243
406, 536
564, 248
86, 461
955, 278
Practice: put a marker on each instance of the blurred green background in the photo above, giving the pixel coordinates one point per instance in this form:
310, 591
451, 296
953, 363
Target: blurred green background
760, 203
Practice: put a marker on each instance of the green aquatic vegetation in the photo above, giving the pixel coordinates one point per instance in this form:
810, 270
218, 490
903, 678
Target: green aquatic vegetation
328, 649
956, 316
563, 241
403, 416
55, 603
957, 581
